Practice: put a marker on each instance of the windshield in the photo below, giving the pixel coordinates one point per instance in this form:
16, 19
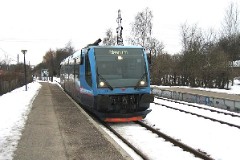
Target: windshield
120, 67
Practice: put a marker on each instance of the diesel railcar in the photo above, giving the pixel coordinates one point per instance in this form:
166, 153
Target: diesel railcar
110, 81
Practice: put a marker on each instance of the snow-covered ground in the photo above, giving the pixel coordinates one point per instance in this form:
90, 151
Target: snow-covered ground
218, 140
14, 109
15, 106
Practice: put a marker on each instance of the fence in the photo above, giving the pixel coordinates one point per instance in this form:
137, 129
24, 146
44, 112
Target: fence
11, 82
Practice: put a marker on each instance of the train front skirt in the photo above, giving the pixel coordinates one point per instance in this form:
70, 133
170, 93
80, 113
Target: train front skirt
122, 117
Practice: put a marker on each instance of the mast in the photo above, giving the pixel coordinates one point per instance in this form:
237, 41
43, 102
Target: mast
119, 29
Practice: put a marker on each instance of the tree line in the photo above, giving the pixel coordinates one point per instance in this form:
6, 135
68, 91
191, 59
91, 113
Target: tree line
12, 76
52, 60
206, 58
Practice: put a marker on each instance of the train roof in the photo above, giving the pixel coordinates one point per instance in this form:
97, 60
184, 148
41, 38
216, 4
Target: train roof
76, 55
114, 47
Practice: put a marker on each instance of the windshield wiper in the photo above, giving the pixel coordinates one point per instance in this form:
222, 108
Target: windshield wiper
138, 83
105, 81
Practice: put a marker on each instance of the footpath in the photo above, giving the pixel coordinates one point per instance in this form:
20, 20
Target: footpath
57, 129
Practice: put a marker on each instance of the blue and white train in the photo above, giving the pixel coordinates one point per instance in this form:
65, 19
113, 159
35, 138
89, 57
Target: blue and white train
110, 81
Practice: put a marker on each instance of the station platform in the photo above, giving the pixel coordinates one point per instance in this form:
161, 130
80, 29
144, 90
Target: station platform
226, 101
57, 129
204, 92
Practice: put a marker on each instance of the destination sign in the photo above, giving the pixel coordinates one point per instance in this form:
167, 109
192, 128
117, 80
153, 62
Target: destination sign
118, 52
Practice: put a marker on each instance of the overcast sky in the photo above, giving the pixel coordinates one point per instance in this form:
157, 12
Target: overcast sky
40, 25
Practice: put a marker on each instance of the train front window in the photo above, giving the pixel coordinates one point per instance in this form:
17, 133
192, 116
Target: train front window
120, 67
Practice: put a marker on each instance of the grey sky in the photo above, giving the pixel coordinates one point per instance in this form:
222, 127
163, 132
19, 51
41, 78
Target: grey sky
40, 25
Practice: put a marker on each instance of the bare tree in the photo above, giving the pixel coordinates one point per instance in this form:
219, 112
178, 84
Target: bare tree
231, 21
192, 38
142, 28
155, 46
69, 48
6, 61
193, 53
52, 59
110, 39
230, 39
203, 62
142, 34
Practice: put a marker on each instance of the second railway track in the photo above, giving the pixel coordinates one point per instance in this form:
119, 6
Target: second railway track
212, 118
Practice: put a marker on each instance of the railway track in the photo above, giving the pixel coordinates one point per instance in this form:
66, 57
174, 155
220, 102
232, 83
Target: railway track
201, 115
147, 155
167, 139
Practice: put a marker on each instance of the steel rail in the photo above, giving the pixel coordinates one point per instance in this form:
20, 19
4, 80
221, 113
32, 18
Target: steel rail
137, 151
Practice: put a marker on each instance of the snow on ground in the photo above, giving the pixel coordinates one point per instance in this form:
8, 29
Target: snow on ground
15, 106
156, 148
218, 140
14, 109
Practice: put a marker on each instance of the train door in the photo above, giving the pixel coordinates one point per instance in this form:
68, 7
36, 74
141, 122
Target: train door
86, 84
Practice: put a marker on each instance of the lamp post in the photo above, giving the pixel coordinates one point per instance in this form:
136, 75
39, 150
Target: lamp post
25, 70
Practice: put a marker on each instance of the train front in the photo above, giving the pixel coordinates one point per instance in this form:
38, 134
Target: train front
123, 84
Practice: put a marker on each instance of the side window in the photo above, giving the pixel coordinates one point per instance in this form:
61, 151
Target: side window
76, 69
71, 70
62, 71
68, 70
88, 73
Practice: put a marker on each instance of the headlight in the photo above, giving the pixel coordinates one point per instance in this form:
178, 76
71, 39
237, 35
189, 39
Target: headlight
101, 84
120, 58
142, 83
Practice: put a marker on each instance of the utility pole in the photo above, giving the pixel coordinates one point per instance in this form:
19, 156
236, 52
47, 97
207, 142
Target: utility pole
119, 29
25, 70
